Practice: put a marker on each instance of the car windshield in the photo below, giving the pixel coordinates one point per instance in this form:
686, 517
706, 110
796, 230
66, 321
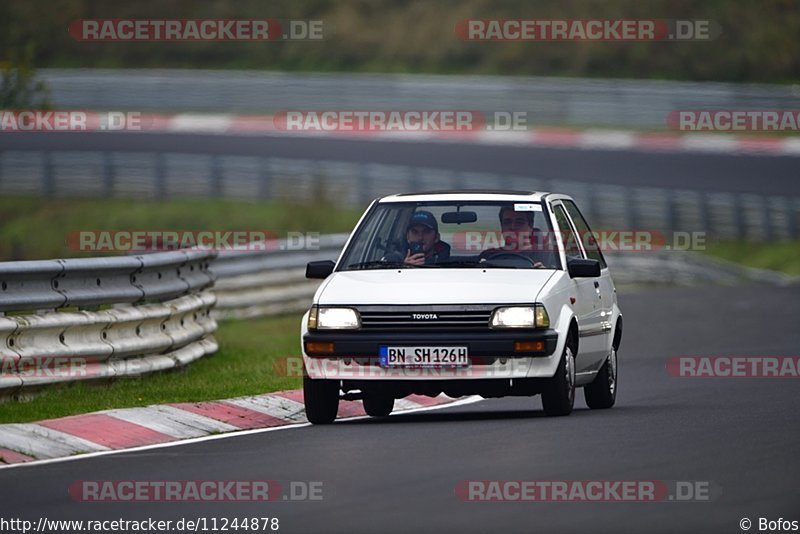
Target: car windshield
453, 234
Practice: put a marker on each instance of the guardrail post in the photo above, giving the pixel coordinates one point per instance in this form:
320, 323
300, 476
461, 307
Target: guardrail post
672, 213
766, 213
48, 180
791, 217
738, 215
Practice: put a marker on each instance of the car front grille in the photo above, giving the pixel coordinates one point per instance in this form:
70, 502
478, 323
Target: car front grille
467, 317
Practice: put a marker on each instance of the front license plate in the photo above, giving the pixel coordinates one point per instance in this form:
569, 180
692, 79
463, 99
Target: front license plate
393, 356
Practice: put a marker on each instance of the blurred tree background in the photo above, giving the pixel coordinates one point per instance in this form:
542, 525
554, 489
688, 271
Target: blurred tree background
18, 85
759, 41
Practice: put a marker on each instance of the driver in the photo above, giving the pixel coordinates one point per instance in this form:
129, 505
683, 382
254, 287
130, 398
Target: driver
424, 245
517, 230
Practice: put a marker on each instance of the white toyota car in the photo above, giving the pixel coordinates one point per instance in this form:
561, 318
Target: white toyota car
491, 293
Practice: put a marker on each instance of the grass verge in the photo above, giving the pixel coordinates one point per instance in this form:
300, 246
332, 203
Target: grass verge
249, 362
37, 228
782, 256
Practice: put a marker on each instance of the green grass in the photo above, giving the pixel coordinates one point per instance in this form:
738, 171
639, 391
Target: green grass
36, 228
782, 256
249, 362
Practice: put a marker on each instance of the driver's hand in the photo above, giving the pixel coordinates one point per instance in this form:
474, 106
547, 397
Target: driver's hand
414, 259
538, 265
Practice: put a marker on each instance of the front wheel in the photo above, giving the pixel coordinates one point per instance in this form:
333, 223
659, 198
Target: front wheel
321, 399
558, 396
379, 405
602, 392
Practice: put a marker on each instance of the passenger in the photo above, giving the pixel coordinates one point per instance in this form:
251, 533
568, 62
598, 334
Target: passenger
518, 233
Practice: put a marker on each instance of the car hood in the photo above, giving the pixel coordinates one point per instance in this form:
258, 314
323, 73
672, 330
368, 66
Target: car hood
433, 286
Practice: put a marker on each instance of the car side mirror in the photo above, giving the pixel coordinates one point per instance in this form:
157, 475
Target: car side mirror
580, 268
320, 269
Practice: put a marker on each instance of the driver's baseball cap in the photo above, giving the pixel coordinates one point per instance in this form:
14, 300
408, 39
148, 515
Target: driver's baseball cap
425, 218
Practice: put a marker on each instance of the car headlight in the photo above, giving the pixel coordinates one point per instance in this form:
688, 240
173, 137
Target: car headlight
333, 319
521, 317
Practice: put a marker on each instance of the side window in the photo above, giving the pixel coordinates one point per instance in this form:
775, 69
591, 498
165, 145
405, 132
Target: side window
571, 247
371, 242
589, 241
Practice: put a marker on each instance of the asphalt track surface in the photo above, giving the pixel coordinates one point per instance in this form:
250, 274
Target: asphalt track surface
399, 474
772, 175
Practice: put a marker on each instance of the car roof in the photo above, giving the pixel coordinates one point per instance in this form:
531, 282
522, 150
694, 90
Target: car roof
467, 195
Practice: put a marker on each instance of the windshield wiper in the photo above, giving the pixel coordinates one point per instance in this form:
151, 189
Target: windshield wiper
479, 264
378, 263
491, 264
458, 263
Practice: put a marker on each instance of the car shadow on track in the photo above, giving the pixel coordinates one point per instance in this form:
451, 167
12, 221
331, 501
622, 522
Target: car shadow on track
498, 414
474, 415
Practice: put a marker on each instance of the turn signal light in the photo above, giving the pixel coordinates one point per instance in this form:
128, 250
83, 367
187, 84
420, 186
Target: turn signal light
313, 347
528, 346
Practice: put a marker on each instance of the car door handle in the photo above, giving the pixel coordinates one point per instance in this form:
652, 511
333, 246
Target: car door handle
596, 284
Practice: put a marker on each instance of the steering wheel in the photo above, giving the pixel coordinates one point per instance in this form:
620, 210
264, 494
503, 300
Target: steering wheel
509, 255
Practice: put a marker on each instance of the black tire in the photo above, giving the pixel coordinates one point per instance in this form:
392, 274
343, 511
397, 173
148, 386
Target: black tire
602, 392
558, 396
378, 405
321, 398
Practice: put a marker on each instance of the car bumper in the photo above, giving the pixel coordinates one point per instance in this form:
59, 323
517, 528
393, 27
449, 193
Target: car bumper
482, 346
491, 354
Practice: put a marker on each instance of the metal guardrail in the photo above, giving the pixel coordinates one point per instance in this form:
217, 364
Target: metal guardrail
164, 317
273, 283
253, 284
86, 282
132, 174
69, 320
548, 100
82, 319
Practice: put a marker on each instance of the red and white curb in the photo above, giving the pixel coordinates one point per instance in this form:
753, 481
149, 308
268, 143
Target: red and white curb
591, 139
128, 428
